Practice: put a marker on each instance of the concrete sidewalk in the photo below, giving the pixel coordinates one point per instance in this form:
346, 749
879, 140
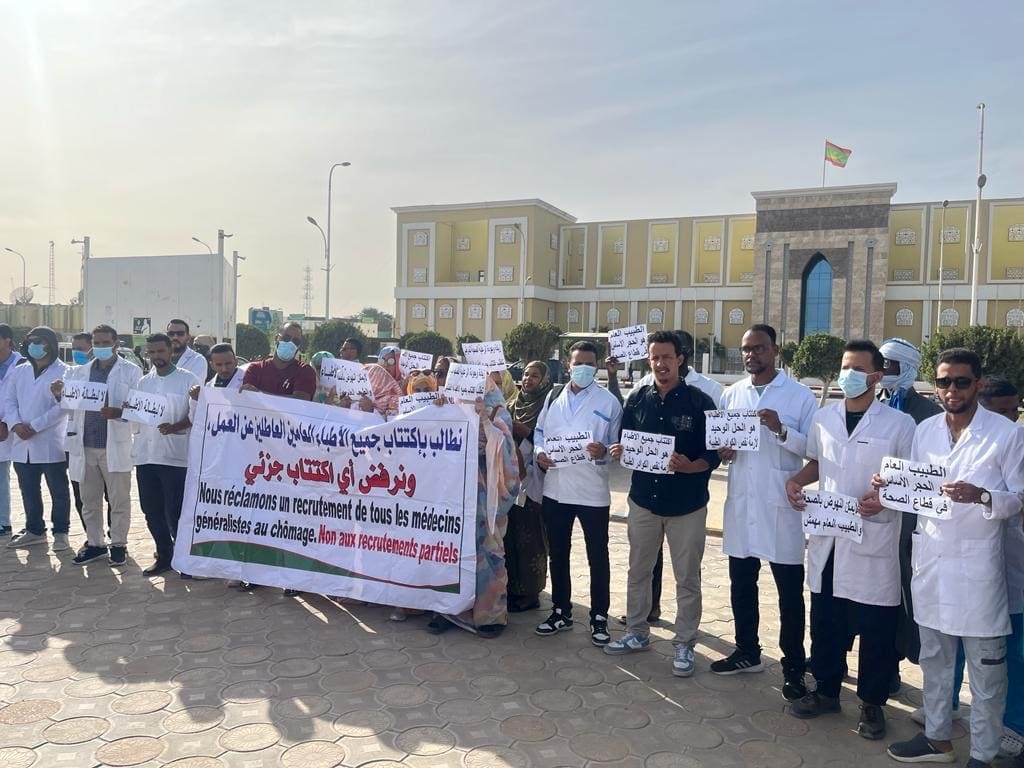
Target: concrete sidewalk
105, 667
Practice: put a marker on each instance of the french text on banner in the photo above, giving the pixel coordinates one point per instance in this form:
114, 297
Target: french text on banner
465, 382
489, 354
146, 408
647, 451
739, 429
629, 343
415, 401
567, 449
916, 487
83, 395
410, 360
346, 377
832, 514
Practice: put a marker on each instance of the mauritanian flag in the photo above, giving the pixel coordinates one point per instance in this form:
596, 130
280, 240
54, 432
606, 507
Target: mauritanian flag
836, 154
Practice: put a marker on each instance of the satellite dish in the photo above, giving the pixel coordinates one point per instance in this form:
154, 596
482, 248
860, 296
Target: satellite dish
21, 295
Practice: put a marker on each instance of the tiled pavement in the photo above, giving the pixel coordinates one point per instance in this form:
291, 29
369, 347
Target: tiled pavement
104, 667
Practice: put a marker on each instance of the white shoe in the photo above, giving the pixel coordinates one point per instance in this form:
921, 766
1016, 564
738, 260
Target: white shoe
918, 715
27, 539
60, 542
1012, 744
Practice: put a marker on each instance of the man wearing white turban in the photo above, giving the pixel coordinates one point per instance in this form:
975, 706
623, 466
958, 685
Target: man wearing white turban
902, 360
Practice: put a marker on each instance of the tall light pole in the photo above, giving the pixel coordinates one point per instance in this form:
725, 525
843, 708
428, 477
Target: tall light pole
204, 244
942, 251
522, 272
327, 238
24, 270
977, 218
327, 255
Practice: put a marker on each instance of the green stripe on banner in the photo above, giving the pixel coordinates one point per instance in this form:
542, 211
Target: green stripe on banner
262, 554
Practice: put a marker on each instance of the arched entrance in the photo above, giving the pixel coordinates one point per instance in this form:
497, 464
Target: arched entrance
816, 309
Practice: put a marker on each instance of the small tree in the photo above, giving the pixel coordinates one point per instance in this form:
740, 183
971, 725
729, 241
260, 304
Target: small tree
819, 356
467, 338
251, 342
531, 341
787, 352
703, 346
328, 336
427, 341
385, 322
1001, 351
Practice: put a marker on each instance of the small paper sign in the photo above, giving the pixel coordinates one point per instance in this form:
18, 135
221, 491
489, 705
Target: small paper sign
647, 451
568, 448
915, 487
346, 377
145, 408
739, 429
414, 361
415, 401
489, 354
629, 343
83, 395
465, 382
832, 514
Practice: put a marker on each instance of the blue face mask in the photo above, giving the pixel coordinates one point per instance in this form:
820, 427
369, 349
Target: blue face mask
79, 357
103, 353
853, 383
583, 375
286, 350
36, 350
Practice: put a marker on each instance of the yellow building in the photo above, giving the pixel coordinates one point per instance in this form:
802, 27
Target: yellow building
845, 260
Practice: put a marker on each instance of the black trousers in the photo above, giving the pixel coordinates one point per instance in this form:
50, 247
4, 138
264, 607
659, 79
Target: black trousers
833, 620
789, 580
161, 490
559, 519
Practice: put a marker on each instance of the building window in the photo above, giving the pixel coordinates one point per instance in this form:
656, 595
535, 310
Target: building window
1015, 318
572, 316
419, 311
613, 316
700, 316
817, 303
551, 314
420, 238
949, 318
446, 311
419, 274
506, 274
475, 312
655, 316
481, 276
504, 311
736, 316
905, 317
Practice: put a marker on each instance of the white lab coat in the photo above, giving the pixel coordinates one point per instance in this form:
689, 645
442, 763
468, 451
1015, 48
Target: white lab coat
759, 522
5, 446
150, 447
28, 400
194, 363
959, 565
868, 572
122, 379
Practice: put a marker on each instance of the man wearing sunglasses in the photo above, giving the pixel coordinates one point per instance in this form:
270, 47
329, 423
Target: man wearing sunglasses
959, 583
182, 355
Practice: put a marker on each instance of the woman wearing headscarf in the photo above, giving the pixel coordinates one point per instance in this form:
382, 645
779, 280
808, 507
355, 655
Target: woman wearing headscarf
497, 488
420, 381
526, 541
386, 381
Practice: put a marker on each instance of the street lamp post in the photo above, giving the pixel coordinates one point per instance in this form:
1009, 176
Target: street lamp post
942, 266
977, 217
327, 255
327, 239
204, 244
24, 271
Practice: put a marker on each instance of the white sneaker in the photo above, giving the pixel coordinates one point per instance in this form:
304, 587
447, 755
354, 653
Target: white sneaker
27, 539
918, 715
60, 542
1012, 744
683, 664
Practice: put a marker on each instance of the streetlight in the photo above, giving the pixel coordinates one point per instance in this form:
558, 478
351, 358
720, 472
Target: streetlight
327, 256
24, 270
204, 244
977, 217
522, 272
327, 239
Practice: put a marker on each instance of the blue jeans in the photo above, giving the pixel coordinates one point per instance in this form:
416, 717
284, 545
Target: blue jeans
1014, 716
30, 478
5, 494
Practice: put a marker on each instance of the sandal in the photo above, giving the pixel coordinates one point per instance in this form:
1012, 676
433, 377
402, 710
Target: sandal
438, 625
490, 631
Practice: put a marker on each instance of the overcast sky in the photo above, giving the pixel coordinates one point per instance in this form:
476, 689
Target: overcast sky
145, 123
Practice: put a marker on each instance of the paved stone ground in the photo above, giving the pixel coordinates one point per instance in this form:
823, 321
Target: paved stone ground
104, 667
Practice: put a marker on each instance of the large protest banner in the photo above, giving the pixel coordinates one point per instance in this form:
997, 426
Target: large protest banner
329, 500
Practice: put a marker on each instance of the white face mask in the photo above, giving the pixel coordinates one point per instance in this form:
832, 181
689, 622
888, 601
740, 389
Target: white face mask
853, 383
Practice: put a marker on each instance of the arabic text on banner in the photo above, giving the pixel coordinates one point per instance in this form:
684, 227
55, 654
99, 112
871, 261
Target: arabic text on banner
146, 408
83, 395
489, 354
415, 401
647, 451
465, 382
915, 487
832, 514
568, 448
346, 377
410, 360
739, 429
629, 343
331, 501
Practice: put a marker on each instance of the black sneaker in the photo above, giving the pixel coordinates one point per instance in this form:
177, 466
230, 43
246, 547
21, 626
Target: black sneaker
599, 631
872, 722
737, 662
89, 553
919, 750
555, 623
814, 704
794, 688
160, 566
118, 555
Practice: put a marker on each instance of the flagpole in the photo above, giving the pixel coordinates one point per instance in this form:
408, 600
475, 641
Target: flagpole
824, 161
